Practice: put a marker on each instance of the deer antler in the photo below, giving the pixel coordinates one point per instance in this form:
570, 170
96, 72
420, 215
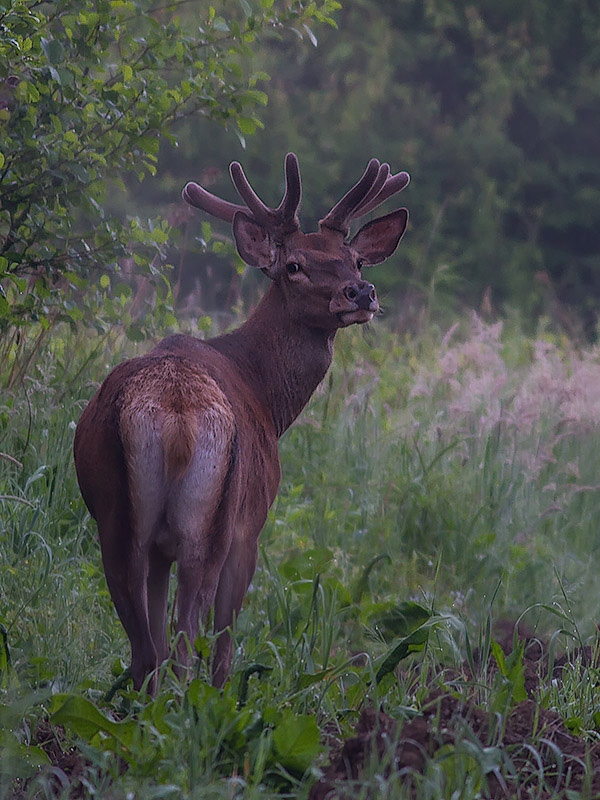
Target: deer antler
374, 187
279, 221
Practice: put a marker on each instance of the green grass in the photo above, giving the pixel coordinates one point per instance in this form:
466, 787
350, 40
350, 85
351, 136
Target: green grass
452, 482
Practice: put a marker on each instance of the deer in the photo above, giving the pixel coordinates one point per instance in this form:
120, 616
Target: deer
177, 453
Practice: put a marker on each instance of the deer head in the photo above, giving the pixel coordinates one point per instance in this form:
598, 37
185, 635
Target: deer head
318, 274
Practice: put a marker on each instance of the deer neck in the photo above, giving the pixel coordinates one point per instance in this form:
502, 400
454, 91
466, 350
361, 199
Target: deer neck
283, 361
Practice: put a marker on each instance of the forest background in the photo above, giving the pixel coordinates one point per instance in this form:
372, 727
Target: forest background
110, 108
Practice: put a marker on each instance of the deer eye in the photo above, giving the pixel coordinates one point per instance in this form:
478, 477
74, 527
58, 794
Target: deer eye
293, 267
360, 262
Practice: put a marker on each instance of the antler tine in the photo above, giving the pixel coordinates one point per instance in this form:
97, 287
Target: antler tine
340, 213
196, 196
382, 176
293, 189
393, 185
261, 212
280, 221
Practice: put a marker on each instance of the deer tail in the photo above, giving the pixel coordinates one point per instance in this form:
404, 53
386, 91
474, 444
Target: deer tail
179, 435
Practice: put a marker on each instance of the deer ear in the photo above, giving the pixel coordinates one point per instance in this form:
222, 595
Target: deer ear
378, 239
253, 242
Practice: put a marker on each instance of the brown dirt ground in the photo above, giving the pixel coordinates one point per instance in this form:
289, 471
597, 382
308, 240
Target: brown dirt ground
406, 747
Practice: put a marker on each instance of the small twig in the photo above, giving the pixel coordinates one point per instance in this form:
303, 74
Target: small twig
11, 460
16, 499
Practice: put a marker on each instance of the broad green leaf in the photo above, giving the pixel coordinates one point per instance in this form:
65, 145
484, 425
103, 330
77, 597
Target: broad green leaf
252, 669
19, 760
83, 718
403, 619
219, 24
297, 740
53, 50
306, 563
246, 125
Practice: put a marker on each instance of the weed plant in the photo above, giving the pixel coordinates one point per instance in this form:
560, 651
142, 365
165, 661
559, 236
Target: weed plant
435, 486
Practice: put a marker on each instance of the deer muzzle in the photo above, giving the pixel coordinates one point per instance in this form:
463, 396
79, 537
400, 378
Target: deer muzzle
355, 303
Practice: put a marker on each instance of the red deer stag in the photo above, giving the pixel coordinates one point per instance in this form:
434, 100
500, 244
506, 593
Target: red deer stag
176, 454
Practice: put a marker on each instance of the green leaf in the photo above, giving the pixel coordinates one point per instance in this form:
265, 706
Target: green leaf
219, 24
297, 741
252, 669
403, 619
80, 172
1, 160
19, 760
83, 718
31, 93
305, 563
159, 236
509, 682
403, 648
246, 125
309, 678
53, 50
206, 229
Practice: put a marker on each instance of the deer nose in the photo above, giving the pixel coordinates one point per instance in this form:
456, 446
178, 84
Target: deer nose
362, 293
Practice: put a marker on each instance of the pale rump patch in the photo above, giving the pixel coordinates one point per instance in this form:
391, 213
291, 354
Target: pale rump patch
177, 429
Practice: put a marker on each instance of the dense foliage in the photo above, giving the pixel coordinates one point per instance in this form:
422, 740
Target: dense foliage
87, 92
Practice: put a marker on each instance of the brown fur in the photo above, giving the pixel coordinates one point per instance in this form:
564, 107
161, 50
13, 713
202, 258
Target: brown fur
179, 439
172, 395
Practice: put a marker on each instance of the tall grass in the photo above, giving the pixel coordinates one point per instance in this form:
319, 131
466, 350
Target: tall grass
457, 469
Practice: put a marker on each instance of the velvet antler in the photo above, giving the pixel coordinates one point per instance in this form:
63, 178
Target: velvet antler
279, 221
374, 187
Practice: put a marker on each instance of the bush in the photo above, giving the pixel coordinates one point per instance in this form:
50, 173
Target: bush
87, 91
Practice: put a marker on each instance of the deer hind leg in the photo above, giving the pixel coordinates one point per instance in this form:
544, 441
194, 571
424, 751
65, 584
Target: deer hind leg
159, 572
195, 518
147, 565
234, 580
126, 570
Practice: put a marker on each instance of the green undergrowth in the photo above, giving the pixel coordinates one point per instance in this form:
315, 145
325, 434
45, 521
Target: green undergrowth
437, 487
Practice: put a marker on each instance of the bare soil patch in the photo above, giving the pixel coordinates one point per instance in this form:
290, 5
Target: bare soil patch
544, 758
